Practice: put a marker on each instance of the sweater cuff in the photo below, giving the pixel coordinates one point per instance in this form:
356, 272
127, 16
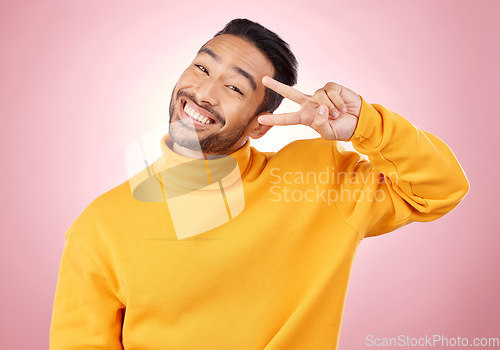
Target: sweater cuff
369, 130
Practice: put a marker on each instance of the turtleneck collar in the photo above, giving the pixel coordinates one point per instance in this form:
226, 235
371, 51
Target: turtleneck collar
179, 173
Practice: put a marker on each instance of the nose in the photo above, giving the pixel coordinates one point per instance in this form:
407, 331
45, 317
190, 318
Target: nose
207, 92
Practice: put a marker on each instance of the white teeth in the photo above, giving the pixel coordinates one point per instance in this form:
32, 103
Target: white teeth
195, 115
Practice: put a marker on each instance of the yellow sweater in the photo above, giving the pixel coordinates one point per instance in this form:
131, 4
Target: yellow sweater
275, 275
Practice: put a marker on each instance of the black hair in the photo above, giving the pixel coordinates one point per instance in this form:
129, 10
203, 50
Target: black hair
274, 48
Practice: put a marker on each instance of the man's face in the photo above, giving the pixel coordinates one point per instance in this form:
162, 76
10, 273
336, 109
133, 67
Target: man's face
215, 101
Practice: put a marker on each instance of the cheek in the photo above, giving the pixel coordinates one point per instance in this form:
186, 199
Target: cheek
187, 79
243, 113
256, 104
232, 112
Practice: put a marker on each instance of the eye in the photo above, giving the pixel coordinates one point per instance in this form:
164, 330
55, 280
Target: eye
234, 88
203, 69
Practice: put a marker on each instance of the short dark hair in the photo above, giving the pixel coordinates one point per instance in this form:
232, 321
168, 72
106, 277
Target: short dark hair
274, 48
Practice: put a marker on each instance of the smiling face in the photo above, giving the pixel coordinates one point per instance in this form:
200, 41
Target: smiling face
215, 101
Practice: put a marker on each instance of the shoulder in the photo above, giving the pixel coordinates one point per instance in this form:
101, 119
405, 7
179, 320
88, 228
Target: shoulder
109, 201
107, 208
305, 149
318, 152
313, 150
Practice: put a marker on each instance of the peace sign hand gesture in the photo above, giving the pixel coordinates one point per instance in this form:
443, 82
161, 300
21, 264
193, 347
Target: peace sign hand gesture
332, 111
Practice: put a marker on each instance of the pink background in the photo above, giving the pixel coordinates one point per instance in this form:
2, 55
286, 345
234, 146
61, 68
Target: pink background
80, 80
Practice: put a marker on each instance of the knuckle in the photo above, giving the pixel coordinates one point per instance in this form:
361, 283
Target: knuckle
319, 94
317, 99
330, 86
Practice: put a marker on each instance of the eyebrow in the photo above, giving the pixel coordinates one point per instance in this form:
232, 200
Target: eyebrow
235, 68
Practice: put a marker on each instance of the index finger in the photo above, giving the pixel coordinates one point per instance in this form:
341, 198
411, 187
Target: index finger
284, 90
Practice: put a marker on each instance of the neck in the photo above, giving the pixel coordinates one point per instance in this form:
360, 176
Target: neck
198, 154
195, 154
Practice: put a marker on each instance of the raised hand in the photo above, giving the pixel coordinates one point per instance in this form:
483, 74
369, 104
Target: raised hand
332, 111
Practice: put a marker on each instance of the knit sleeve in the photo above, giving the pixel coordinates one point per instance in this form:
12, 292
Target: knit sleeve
86, 312
410, 175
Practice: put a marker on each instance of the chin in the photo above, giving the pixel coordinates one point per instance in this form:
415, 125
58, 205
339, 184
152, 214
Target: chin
183, 136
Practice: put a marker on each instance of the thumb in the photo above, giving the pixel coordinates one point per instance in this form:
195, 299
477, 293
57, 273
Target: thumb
320, 123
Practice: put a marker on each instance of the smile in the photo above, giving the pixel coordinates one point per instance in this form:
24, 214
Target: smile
197, 116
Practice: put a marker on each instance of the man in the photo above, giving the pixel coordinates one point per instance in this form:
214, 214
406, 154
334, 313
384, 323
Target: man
146, 267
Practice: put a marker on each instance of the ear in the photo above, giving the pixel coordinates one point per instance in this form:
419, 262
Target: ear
257, 130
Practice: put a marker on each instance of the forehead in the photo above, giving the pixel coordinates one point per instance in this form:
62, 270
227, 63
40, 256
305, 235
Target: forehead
233, 50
